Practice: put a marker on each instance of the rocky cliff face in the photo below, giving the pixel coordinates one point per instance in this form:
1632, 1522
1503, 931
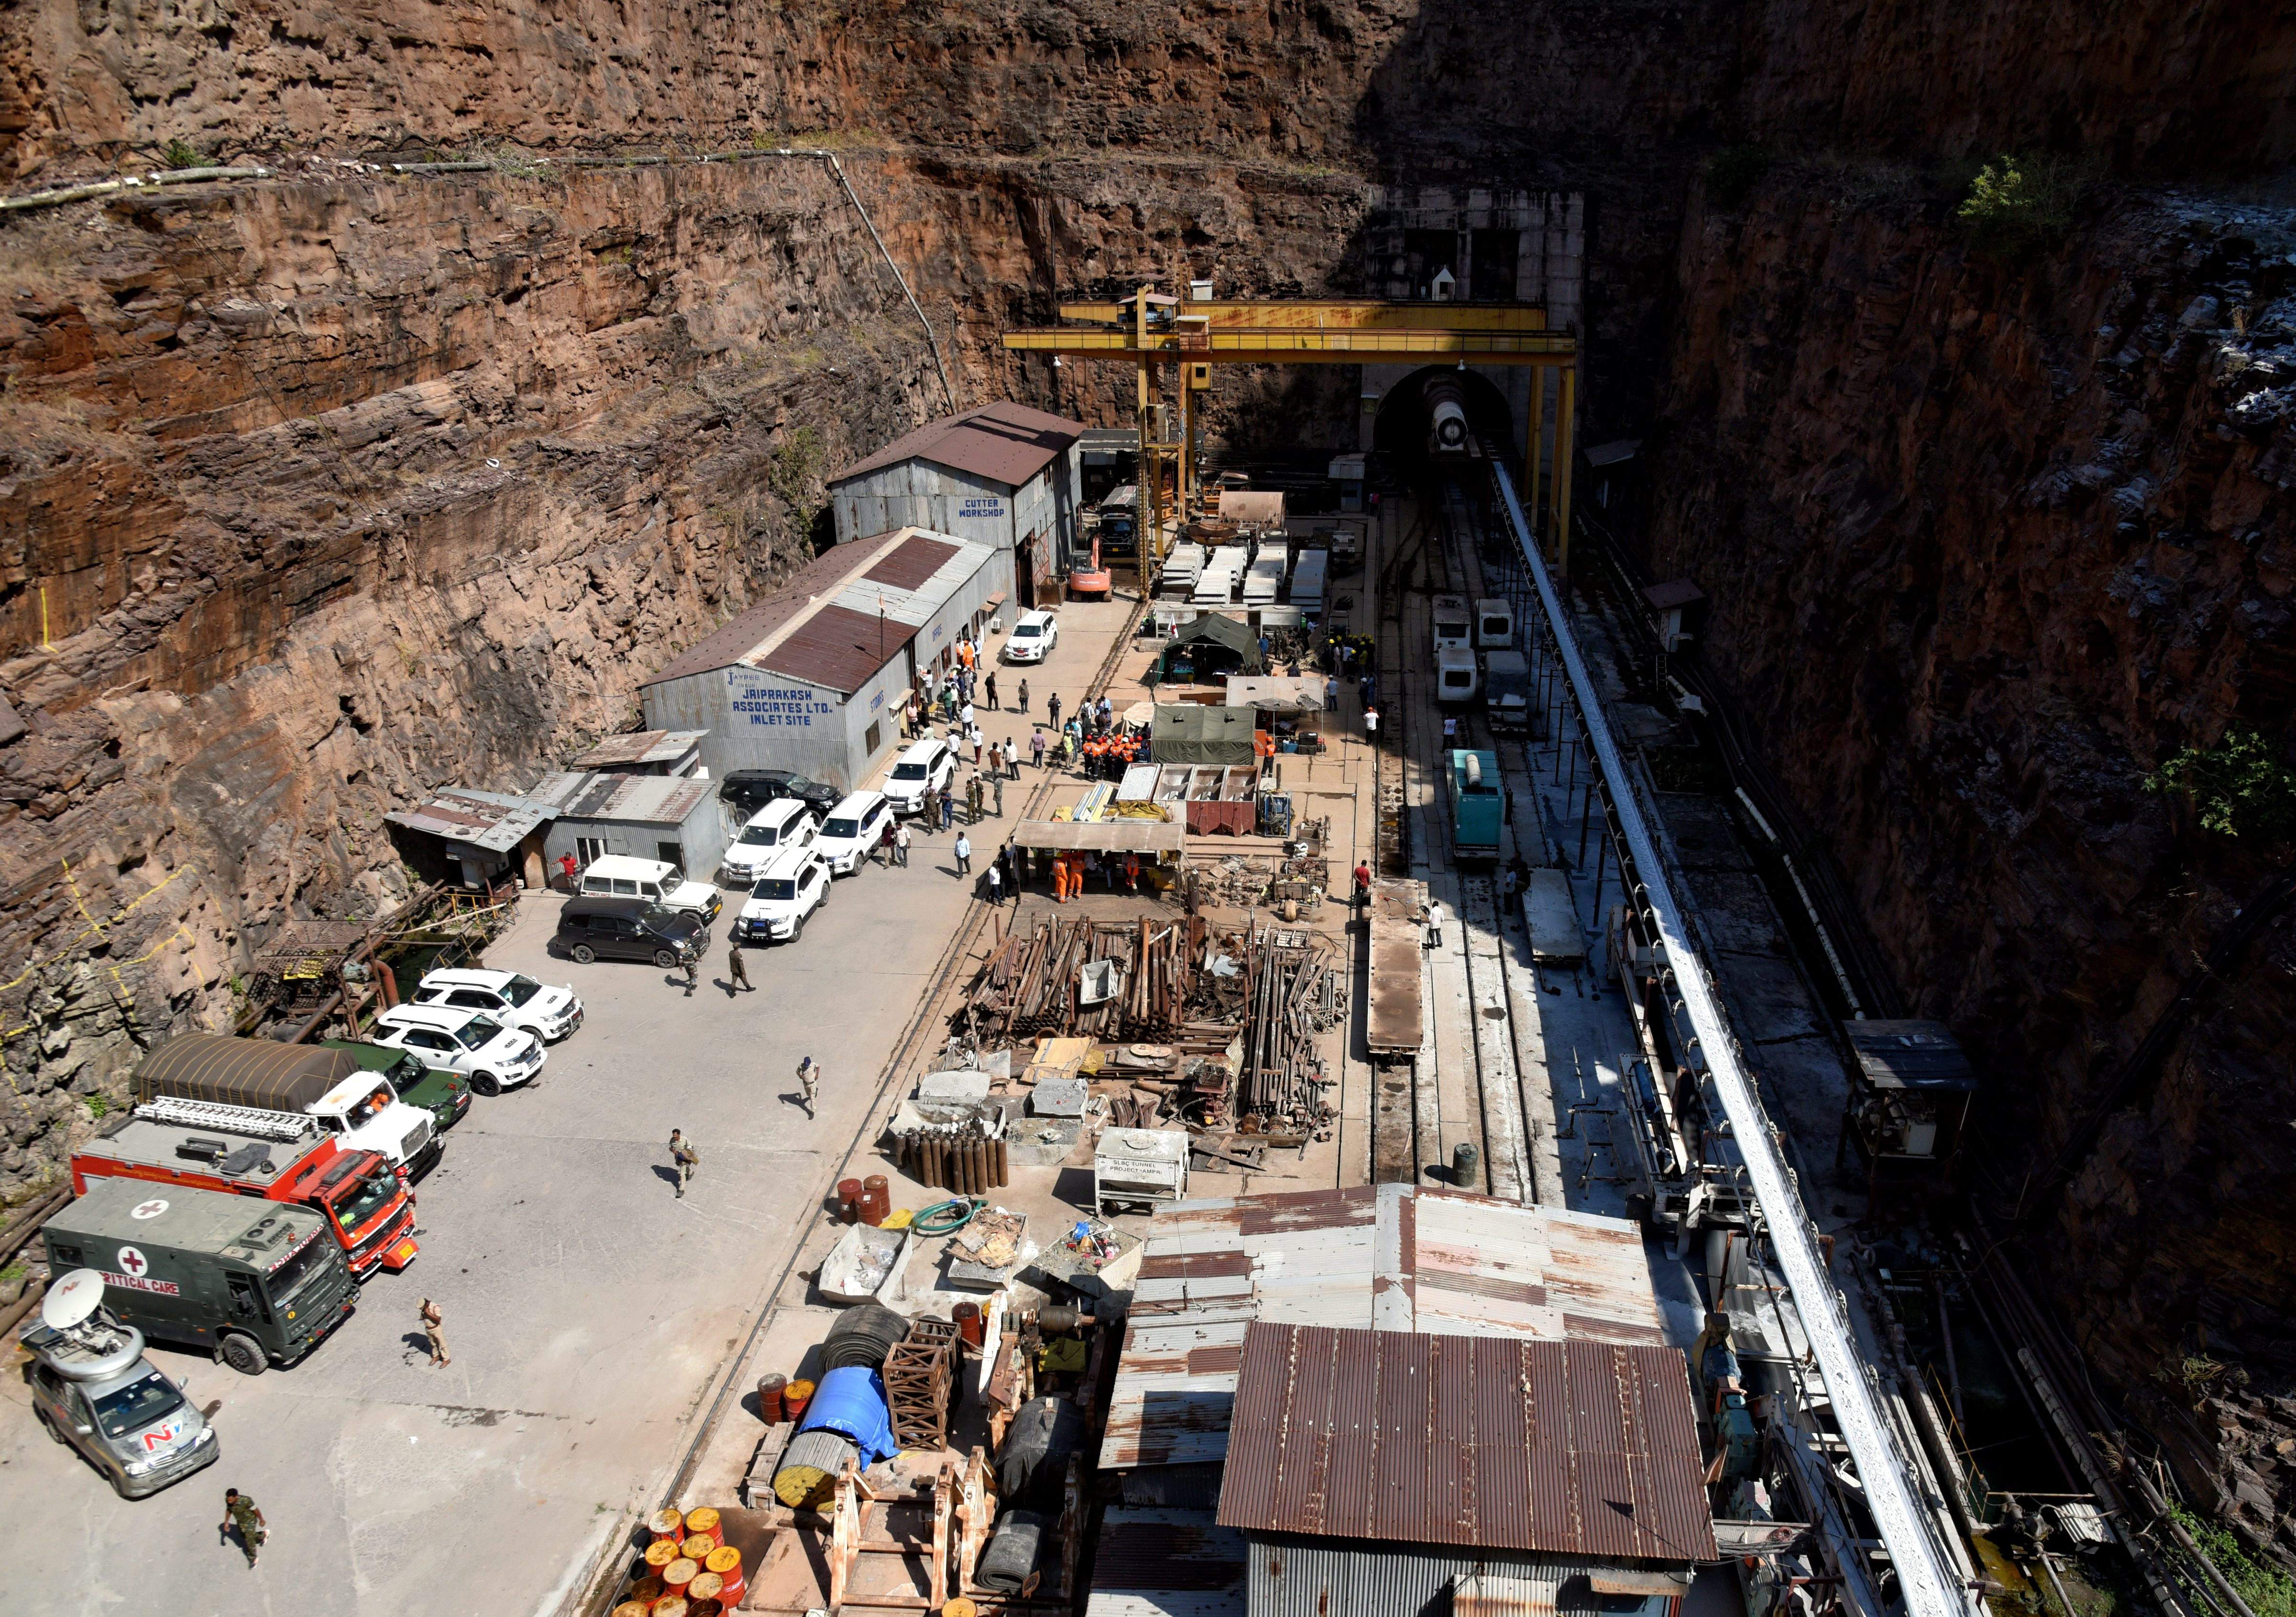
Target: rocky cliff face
1991, 540
318, 492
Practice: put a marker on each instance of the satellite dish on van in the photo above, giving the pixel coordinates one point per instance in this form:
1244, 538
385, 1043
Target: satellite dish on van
71, 1299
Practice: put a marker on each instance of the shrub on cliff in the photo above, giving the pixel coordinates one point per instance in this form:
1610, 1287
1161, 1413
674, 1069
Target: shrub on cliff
2241, 786
2018, 205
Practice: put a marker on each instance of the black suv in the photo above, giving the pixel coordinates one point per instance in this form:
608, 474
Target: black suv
752, 790
631, 929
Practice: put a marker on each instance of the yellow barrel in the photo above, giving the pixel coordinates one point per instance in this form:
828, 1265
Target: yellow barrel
705, 1519
667, 1523
660, 1554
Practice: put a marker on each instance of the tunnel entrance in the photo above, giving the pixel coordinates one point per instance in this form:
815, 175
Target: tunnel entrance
1435, 414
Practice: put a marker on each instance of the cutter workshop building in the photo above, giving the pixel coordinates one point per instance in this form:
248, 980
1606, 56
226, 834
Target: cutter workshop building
812, 678
1003, 475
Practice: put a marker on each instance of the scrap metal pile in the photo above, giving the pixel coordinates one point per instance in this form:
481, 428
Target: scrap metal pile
1295, 994
1151, 982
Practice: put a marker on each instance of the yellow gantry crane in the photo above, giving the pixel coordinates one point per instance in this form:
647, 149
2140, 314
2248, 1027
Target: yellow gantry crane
1152, 329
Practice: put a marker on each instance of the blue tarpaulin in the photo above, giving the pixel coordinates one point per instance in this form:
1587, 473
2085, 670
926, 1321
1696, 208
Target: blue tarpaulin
851, 1400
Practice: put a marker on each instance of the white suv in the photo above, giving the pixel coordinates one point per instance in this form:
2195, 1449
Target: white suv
927, 764
512, 998
852, 829
788, 891
657, 882
492, 1056
786, 822
1031, 637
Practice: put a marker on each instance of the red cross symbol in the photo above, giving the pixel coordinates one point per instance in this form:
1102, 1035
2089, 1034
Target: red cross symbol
132, 1260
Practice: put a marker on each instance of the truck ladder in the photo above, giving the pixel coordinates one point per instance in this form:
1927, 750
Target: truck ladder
284, 1127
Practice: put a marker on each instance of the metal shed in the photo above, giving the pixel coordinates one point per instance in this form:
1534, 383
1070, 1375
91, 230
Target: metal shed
812, 678
471, 837
1003, 475
1214, 644
644, 816
1389, 1256
645, 753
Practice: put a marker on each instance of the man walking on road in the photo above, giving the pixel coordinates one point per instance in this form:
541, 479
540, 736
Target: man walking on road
737, 973
240, 1516
989, 684
948, 808
901, 845
683, 1158
692, 972
995, 884
809, 1081
432, 1320
997, 785
1053, 707
1037, 748
1024, 696
963, 854
973, 798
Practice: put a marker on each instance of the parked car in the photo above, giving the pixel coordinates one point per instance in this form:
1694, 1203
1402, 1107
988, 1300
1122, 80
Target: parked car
512, 998
927, 765
95, 1391
788, 891
445, 1096
753, 789
657, 882
630, 929
1032, 637
852, 829
788, 822
492, 1056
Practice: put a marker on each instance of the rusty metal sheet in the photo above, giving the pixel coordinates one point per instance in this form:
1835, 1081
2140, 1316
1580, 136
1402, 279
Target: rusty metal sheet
914, 562
1004, 442
1501, 1443
1157, 1562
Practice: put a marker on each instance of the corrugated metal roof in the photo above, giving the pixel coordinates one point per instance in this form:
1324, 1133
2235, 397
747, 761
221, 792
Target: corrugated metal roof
1003, 443
1162, 1563
649, 800
1910, 1055
641, 747
912, 561
1390, 1257
837, 648
492, 820
782, 634
1577, 1448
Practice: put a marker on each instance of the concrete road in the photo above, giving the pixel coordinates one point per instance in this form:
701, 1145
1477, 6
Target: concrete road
588, 1310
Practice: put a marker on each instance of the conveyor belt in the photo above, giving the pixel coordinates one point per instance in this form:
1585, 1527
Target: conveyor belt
1930, 1588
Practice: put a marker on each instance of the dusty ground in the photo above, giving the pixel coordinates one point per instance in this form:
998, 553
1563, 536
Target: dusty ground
588, 1310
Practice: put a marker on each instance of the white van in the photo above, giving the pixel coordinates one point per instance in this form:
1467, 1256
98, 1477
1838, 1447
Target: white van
852, 829
927, 764
786, 822
657, 882
787, 890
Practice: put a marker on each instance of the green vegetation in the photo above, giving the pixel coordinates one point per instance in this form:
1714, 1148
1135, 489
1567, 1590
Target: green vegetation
98, 1107
1733, 172
793, 474
180, 153
2241, 786
2269, 1591
2017, 205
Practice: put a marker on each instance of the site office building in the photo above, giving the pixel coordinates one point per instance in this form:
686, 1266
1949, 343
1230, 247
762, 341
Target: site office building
812, 678
1002, 474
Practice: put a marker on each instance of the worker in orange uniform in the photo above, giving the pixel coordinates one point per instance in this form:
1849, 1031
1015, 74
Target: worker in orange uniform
1132, 873
1060, 878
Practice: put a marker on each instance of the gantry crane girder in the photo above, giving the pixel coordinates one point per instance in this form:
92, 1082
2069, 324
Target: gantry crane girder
1151, 329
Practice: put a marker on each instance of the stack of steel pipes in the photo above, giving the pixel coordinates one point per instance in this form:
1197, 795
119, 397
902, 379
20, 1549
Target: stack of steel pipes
1290, 998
